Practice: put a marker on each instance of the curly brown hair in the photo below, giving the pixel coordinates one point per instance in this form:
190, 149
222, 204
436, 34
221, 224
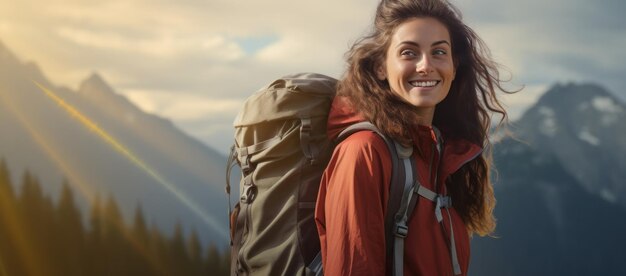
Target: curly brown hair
463, 114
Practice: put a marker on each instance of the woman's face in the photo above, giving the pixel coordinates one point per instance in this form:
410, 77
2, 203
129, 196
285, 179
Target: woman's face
418, 63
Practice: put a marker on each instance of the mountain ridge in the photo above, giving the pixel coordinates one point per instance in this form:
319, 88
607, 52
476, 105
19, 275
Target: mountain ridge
584, 127
556, 214
98, 139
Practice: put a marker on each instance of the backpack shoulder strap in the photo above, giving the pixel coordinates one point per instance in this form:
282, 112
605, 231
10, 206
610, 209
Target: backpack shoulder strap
402, 179
409, 202
397, 216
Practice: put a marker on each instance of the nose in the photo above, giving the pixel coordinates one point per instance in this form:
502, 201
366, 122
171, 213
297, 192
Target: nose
424, 66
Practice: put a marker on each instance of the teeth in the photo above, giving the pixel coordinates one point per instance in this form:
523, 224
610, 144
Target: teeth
424, 83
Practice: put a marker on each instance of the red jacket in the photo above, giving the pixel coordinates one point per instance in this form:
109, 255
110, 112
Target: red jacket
353, 197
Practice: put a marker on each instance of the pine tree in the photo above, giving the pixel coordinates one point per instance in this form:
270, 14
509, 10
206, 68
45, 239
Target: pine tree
225, 262
214, 260
95, 218
195, 253
95, 239
140, 229
36, 221
70, 238
9, 262
113, 223
143, 258
178, 251
6, 187
114, 234
160, 249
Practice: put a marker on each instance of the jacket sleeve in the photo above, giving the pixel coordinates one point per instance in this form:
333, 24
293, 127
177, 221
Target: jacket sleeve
351, 207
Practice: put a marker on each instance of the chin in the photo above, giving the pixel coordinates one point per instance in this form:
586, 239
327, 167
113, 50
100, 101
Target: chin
422, 103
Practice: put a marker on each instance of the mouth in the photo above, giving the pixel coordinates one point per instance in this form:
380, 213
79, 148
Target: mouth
429, 83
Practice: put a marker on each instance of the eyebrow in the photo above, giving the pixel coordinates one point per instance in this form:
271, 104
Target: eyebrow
417, 45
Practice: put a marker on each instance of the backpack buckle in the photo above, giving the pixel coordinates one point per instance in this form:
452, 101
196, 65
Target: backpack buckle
444, 201
401, 230
249, 190
244, 159
249, 194
245, 166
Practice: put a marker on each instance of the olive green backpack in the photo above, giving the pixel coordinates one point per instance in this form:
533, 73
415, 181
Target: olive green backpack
282, 148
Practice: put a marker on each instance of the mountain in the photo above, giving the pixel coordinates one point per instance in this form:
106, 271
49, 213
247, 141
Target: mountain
105, 145
560, 203
584, 127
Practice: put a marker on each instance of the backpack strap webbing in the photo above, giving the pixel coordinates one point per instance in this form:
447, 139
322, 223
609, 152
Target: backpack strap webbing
401, 183
402, 178
400, 218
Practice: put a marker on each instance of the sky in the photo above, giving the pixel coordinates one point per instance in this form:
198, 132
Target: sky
195, 61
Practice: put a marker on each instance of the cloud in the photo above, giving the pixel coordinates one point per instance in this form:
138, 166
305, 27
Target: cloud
184, 107
555, 41
216, 47
207, 119
198, 46
4, 27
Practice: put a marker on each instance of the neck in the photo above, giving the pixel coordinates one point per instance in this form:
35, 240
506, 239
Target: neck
426, 115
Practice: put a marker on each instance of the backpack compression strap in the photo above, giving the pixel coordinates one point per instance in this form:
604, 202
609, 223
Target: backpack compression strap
401, 183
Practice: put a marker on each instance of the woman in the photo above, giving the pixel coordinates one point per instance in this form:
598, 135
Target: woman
420, 72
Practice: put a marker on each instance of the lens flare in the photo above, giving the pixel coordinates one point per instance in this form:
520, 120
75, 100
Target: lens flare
16, 225
111, 141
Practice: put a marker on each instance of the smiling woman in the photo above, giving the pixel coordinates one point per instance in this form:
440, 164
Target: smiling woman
425, 79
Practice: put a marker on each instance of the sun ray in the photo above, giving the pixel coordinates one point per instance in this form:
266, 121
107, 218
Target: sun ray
75, 180
119, 147
24, 247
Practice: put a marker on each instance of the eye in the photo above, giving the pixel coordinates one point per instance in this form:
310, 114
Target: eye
408, 53
438, 52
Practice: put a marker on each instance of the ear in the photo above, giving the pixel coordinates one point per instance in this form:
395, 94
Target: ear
381, 73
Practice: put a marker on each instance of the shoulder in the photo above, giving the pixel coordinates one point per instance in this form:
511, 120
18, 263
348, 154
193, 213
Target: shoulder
364, 144
362, 148
361, 162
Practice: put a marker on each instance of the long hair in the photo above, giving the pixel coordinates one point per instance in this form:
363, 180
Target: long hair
463, 114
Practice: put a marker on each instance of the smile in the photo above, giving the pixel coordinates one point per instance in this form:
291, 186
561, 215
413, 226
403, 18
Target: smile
424, 83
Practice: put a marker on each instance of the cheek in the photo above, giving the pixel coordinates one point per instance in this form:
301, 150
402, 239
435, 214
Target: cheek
395, 63
452, 73
447, 73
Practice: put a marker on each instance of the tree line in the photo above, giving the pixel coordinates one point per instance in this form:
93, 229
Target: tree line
40, 237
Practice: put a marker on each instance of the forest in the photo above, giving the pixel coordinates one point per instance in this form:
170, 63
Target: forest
41, 237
